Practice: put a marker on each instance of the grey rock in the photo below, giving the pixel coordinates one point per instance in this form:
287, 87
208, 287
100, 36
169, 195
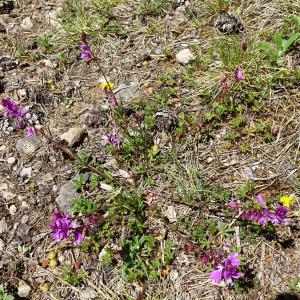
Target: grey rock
28, 145
74, 136
3, 226
26, 24
165, 121
6, 6
127, 91
229, 23
7, 62
26, 172
185, 56
24, 289
16, 82
68, 193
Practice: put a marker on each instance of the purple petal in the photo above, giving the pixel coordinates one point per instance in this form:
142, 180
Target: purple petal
216, 275
261, 199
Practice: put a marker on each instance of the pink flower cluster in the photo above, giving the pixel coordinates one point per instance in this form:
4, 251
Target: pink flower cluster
228, 271
12, 109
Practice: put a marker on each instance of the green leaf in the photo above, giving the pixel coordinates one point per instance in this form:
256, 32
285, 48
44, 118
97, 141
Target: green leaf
291, 40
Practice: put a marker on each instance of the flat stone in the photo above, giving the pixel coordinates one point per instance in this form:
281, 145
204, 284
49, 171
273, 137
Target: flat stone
11, 160
12, 210
127, 91
24, 289
185, 56
68, 193
26, 172
28, 145
8, 195
26, 24
3, 226
74, 136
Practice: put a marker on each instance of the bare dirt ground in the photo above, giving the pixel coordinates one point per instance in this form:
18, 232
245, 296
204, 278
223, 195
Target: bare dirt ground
63, 94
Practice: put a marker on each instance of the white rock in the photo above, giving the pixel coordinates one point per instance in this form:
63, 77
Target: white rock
24, 219
74, 135
170, 213
185, 56
3, 226
3, 186
210, 159
48, 63
2, 245
106, 187
174, 275
8, 195
124, 173
11, 160
24, 289
26, 172
88, 294
24, 204
12, 209
26, 24
2, 148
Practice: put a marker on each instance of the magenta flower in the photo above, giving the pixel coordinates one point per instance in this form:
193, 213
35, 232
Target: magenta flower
239, 75
228, 271
86, 53
261, 199
31, 131
224, 83
12, 109
245, 45
112, 139
233, 204
114, 102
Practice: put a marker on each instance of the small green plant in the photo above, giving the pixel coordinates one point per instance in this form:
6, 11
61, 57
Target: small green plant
84, 206
44, 42
4, 295
79, 183
73, 277
153, 7
274, 54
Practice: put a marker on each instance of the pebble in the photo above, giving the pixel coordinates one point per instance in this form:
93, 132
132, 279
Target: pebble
2, 148
88, 294
126, 91
11, 160
229, 23
28, 145
2, 245
27, 24
74, 136
3, 226
26, 172
12, 210
24, 289
3, 186
24, 219
106, 187
185, 56
8, 195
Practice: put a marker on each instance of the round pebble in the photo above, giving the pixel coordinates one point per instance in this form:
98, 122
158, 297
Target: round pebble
11, 160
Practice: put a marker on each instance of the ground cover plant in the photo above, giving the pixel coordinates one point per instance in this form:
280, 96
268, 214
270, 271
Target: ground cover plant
149, 149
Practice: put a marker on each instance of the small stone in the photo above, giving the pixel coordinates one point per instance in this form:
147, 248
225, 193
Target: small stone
12, 210
27, 24
170, 213
8, 195
228, 23
2, 148
24, 289
74, 136
165, 121
124, 173
48, 63
22, 93
209, 159
68, 193
88, 294
127, 91
106, 187
3, 226
11, 160
61, 258
2, 245
24, 219
185, 56
26, 172
174, 275
28, 145
3, 186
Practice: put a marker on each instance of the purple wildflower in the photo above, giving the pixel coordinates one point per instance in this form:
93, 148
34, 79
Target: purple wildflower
261, 199
114, 102
78, 236
112, 139
239, 75
224, 83
228, 271
31, 131
12, 109
86, 53
61, 226
245, 45
233, 204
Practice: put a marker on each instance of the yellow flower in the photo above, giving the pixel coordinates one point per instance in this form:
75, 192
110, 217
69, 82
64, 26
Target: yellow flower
287, 200
106, 85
